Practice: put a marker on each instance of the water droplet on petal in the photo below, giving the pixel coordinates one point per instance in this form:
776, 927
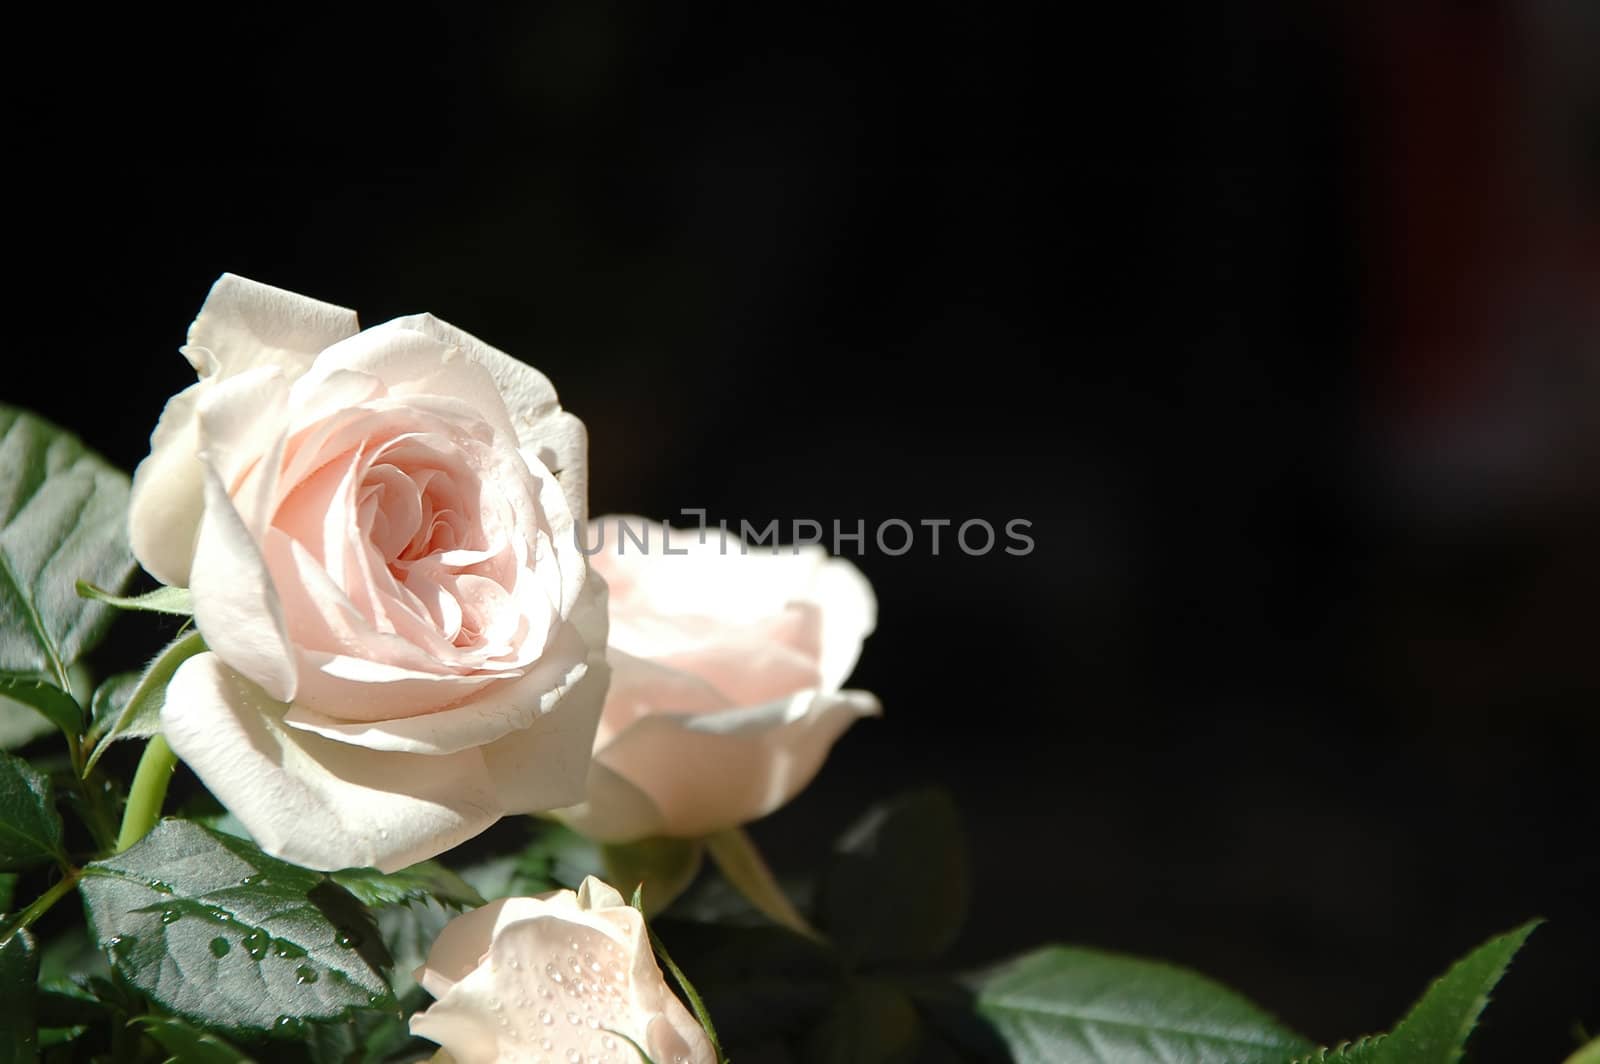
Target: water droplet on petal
304, 975
170, 916
220, 947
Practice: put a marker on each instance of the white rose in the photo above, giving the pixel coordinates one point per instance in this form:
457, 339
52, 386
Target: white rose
554, 978
377, 528
727, 663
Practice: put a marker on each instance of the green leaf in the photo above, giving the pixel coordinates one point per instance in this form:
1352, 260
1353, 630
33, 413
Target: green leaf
19, 967
51, 702
1589, 1054
557, 858
63, 517
173, 600
370, 1036
664, 867
221, 934
187, 1044
696, 1004
1062, 1005
133, 711
898, 885
762, 983
20, 724
1361, 1051
426, 879
869, 1023
408, 933
30, 829
1436, 1029
57, 1008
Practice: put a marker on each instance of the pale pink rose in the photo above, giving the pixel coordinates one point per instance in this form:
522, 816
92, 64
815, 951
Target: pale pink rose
727, 663
556, 978
377, 528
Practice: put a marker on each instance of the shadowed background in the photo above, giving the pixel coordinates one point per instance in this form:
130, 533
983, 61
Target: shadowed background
1282, 329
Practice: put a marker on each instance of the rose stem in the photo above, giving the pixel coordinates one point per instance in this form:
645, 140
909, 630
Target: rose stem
149, 790
741, 865
42, 903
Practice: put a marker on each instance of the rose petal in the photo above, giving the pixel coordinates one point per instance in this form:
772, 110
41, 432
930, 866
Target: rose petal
559, 743
640, 687
311, 801
556, 438
613, 809
411, 362
554, 977
242, 324
849, 613
241, 439
710, 771
562, 741
245, 323
495, 708
235, 605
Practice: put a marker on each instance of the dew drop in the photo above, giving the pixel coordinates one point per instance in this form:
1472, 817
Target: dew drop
545, 1017
256, 944
287, 950
170, 916
609, 1042
287, 1025
220, 947
572, 1018
594, 1024
254, 880
554, 975
546, 1045
304, 975
348, 939
574, 1056
159, 887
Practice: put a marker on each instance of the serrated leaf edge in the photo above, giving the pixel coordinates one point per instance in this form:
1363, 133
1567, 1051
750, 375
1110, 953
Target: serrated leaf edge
1343, 1051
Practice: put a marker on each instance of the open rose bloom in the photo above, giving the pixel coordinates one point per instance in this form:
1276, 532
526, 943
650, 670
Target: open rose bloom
728, 663
377, 528
554, 978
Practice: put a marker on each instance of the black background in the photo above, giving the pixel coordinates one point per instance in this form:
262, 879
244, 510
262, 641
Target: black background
1299, 686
